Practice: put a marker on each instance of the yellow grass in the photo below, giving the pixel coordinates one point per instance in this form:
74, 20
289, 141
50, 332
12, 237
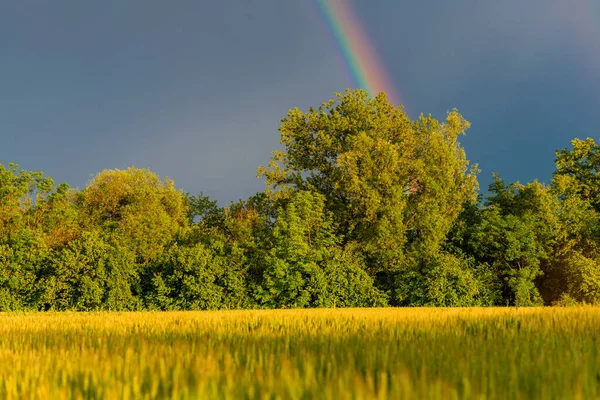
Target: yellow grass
303, 354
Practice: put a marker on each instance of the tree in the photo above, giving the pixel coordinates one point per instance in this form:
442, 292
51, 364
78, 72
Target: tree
516, 236
578, 171
88, 274
448, 280
35, 218
576, 181
393, 186
135, 209
307, 267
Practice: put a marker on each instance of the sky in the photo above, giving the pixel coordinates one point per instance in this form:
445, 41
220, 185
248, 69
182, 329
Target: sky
195, 90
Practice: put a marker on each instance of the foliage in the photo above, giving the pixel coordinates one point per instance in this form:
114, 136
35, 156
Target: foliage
89, 274
184, 278
307, 267
447, 280
363, 207
577, 171
135, 209
394, 186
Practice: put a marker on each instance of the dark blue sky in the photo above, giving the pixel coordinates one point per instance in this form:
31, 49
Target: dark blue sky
194, 90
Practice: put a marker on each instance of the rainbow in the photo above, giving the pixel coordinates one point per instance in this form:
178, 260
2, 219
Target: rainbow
366, 68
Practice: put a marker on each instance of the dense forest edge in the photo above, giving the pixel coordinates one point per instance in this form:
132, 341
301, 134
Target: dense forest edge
362, 207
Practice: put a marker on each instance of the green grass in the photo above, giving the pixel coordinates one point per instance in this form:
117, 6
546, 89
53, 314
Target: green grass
304, 354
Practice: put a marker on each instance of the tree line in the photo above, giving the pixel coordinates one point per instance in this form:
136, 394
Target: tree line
362, 207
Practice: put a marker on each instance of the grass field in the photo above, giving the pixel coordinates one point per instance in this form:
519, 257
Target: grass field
304, 354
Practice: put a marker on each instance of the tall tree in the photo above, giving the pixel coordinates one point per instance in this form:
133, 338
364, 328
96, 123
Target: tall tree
516, 237
394, 186
576, 181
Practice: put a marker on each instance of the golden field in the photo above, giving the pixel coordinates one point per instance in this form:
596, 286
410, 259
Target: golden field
470, 353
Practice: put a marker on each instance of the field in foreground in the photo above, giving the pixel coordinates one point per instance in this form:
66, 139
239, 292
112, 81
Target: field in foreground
303, 354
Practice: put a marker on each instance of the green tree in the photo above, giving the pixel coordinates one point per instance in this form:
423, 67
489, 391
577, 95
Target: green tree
185, 278
29, 228
88, 274
578, 171
576, 270
448, 280
136, 209
516, 237
393, 186
307, 267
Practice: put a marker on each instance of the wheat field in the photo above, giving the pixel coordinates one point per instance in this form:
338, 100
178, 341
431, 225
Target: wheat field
420, 353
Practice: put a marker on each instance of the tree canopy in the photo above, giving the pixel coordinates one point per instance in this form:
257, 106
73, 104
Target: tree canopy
362, 207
